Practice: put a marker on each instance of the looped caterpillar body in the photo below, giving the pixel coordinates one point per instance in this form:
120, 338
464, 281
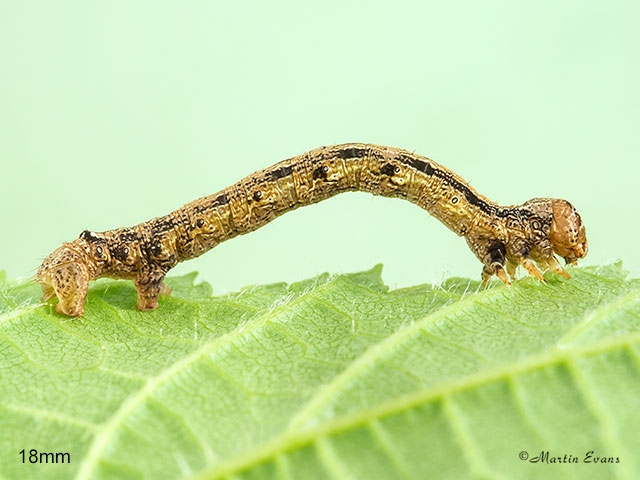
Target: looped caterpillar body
502, 237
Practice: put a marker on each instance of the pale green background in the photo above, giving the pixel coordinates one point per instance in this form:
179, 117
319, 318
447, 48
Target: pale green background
115, 112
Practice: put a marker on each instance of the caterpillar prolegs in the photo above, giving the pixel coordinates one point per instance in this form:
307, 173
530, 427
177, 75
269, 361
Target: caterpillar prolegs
501, 237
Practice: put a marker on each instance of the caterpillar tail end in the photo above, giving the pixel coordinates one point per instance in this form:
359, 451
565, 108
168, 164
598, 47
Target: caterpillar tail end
64, 275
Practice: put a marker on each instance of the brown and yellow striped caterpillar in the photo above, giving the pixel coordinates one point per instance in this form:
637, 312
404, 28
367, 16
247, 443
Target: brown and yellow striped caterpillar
501, 237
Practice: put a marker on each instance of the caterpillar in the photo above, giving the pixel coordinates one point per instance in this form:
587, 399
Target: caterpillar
501, 237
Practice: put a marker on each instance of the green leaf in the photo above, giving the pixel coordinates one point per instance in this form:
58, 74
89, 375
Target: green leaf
332, 377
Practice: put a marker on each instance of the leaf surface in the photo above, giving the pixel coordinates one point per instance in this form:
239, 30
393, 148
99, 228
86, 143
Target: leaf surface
333, 377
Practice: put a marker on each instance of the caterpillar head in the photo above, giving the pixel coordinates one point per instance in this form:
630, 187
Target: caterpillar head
567, 232
67, 271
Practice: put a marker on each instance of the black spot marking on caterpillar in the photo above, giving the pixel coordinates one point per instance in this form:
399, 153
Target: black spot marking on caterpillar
351, 152
281, 172
128, 236
222, 199
321, 172
91, 237
87, 235
161, 225
387, 169
420, 165
121, 253
497, 252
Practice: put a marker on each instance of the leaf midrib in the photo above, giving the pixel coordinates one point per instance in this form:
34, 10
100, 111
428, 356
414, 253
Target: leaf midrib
378, 350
